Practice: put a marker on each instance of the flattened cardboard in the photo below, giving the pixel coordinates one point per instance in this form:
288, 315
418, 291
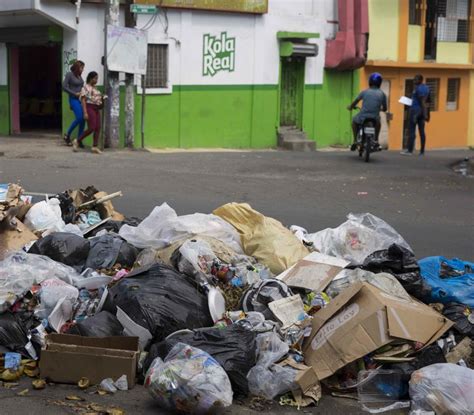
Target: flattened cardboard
67, 358
360, 320
12, 240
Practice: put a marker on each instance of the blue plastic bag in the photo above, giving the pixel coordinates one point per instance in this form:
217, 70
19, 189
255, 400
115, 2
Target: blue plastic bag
451, 280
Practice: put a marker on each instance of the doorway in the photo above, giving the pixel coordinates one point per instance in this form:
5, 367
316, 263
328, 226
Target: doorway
409, 86
291, 94
39, 88
431, 29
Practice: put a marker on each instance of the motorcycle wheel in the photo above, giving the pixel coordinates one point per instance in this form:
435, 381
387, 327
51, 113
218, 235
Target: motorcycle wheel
367, 150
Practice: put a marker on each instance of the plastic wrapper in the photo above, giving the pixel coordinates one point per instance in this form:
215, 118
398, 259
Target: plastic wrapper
401, 263
18, 272
358, 237
67, 248
444, 388
102, 324
384, 281
189, 381
163, 227
233, 347
264, 238
451, 280
108, 250
258, 296
45, 215
162, 301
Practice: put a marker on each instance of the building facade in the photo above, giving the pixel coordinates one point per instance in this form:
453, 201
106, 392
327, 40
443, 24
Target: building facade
215, 78
433, 38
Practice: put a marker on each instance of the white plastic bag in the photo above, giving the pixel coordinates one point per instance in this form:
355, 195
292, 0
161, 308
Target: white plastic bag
198, 254
53, 290
189, 381
163, 227
45, 215
358, 237
444, 388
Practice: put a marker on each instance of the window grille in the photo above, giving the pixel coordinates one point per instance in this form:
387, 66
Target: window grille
157, 66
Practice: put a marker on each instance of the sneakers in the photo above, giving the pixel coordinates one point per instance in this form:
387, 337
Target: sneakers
81, 145
406, 153
67, 140
75, 145
354, 147
96, 150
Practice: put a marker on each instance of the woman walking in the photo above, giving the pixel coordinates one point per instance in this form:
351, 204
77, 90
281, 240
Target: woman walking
92, 102
73, 84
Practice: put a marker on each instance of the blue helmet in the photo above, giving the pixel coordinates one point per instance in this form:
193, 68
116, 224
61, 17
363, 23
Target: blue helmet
375, 79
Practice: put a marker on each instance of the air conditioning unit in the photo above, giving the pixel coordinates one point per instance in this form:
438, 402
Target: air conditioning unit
298, 49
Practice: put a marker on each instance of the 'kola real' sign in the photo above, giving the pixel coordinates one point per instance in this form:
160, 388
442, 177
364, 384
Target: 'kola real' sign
219, 54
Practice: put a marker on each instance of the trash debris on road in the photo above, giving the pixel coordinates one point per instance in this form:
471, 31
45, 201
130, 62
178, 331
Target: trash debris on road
203, 308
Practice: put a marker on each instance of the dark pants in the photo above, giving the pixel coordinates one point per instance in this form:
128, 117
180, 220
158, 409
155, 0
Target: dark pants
93, 124
416, 118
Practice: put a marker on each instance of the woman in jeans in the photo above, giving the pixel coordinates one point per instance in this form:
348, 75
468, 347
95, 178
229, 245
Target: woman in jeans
73, 84
92, 102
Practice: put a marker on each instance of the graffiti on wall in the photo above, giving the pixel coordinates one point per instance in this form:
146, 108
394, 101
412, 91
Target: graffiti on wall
70, 56
218, 54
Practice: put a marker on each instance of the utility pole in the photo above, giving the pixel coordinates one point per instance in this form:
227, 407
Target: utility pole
129, 90
112, 106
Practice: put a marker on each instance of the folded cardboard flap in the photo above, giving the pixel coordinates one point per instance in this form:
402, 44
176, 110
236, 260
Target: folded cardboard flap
92, 351
117, 342
12, 240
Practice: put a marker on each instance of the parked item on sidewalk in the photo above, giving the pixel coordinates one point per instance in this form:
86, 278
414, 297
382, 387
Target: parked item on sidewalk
450, 280
189, 381
263, 237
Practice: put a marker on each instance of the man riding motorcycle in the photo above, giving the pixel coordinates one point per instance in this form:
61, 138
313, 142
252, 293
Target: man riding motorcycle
373, 100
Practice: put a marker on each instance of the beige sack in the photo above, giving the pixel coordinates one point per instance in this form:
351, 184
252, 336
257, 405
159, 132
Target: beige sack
264, 238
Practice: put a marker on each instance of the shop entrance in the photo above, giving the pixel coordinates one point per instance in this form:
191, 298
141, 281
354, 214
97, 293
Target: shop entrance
292, 88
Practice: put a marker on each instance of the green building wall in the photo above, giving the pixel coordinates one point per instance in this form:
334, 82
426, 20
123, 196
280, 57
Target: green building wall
4, 110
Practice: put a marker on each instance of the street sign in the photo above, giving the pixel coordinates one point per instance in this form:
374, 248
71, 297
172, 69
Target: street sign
143, 8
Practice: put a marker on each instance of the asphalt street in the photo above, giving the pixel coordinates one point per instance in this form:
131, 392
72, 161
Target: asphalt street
421, 197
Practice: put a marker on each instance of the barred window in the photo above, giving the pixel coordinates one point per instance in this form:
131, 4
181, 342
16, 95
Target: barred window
433, 84
415, 12
157, 66
452, 100
453, 20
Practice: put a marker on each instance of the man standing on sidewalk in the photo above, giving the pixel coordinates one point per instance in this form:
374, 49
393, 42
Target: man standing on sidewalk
418, 115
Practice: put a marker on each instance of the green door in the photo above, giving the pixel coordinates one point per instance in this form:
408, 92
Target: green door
292, 86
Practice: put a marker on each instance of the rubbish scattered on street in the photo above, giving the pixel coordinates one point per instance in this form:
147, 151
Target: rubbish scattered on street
207, 308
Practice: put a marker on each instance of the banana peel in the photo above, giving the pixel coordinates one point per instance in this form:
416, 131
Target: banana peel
83, 383
38, 384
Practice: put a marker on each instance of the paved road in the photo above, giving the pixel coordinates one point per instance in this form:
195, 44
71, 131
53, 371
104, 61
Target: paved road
420, 197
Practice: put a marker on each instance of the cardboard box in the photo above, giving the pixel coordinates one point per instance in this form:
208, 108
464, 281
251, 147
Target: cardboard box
360, 320
67, 358
12, 240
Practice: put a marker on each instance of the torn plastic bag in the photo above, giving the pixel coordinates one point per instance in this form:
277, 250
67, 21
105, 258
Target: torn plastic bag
108, 250
196, 256
45, 215
358, 237
264, 238
114, 226
18, 272
163, 227
451, 280
102, 324
53, 290
233, 347
13, 334
462, 317
162, 300
258, 296
401, 263
189, 381
384, 281
444, 388
67, 248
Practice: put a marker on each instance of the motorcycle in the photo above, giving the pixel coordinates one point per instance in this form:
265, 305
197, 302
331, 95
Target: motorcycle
367, 142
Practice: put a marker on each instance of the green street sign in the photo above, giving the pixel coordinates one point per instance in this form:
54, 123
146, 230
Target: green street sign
143, 8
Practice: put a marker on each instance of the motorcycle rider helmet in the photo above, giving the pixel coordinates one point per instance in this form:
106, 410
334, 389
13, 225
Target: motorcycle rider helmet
375, 79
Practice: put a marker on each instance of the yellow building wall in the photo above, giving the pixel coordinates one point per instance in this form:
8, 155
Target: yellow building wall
414, 43
384, 24
470, 130
452, 52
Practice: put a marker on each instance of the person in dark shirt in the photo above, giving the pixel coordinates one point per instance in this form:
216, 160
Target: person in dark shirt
73, 84
418, 115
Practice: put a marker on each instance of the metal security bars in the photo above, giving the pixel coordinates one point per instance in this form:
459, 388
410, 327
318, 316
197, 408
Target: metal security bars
157, 66
453, 20
433, 84
452, 99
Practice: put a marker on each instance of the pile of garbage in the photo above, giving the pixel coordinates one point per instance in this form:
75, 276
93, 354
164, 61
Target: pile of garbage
204, 308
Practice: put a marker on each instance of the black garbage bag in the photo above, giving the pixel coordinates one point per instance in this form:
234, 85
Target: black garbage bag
402, 264
115, 225
102, 324
429, 356
68, 210
162, 300
259, 295
459, 315
67, 248
13, 334
233, 347
108, 250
